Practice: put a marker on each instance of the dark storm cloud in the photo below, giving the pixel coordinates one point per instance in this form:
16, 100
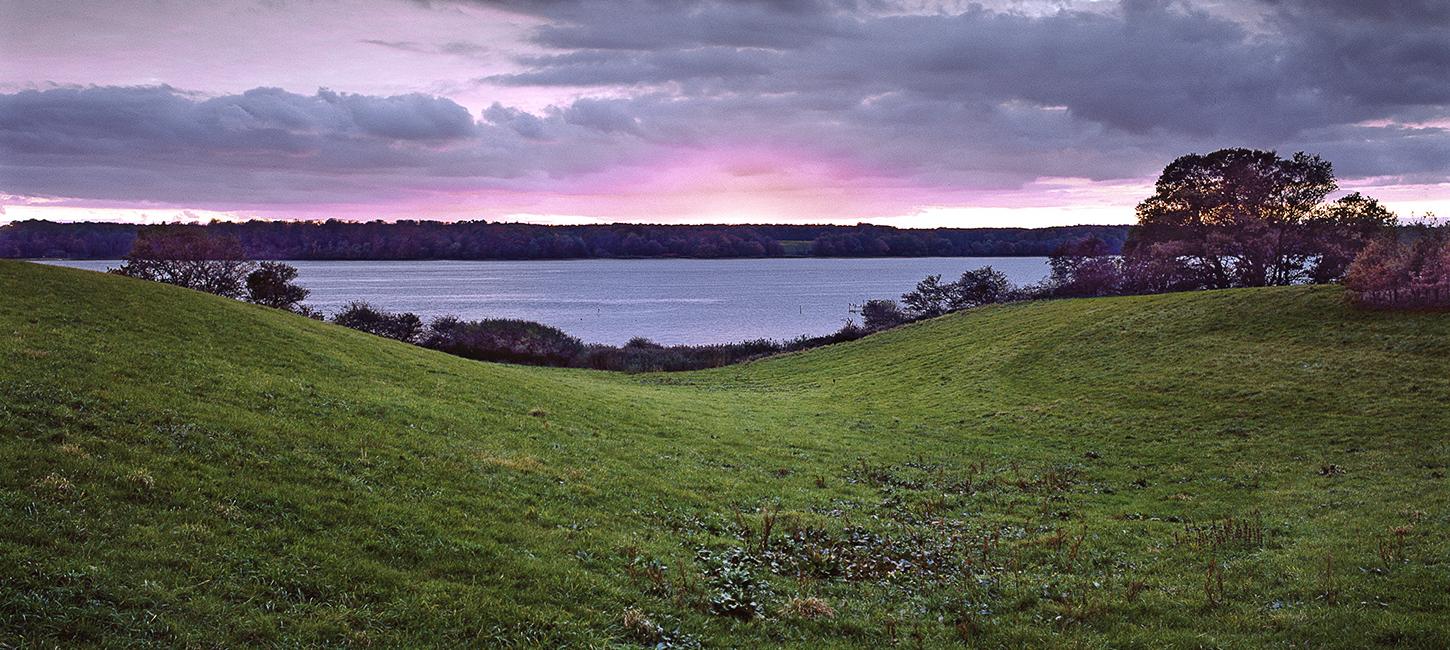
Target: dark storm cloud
1388, 54
1398, 12
1276, 73
272, 146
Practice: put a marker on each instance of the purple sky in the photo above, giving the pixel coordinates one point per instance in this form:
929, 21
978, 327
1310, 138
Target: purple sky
909, 113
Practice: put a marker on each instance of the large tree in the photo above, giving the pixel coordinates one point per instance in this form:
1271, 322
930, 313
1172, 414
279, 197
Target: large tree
1244, 217
189, 258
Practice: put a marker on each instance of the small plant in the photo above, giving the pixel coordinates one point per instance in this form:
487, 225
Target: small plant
140, 480
640, 629
1331, 470
809, 608
1330, 585
538, 413
1391, 549
57, 488
228, 510
73, 449
967, 629
1239, 532
1135, 588
1081, 609
651, 571
889, 627
735, 590
1213, 583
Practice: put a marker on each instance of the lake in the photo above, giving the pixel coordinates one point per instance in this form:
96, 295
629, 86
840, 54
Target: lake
667, 300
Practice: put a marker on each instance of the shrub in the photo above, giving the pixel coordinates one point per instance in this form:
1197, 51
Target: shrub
1389, 274
272, 285
636, 358
1160, 268
513, 341
406, 327
643, 343
979, 287
882, 314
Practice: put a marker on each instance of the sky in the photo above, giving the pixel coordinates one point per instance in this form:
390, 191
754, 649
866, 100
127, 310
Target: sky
915, 113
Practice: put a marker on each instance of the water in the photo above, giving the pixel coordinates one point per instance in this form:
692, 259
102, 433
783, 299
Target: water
667, 300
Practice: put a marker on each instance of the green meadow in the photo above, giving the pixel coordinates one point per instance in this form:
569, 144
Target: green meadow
1240, 468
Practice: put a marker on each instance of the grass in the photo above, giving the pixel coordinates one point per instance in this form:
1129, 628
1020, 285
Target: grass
1218, 469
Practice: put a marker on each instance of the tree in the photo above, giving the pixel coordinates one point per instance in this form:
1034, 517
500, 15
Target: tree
188, 258
1158, 268
930, 298
1246, 217
271, 285
1085, 267
1342, 229
882, 314
979, 287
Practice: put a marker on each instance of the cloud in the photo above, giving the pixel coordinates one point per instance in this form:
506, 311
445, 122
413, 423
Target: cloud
266, 146
874, 105
455, 48
597, 68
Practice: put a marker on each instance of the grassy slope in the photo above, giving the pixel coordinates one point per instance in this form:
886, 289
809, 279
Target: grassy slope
183, 468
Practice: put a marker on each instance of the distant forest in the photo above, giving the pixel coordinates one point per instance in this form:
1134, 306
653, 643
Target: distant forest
479, 240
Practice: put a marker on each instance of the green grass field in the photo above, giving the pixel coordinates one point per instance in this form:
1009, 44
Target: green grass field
1239, 468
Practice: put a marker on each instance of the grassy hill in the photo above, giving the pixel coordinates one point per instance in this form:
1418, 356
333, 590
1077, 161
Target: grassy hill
1233, 468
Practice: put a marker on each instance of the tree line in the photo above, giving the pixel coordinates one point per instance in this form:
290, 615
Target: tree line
480, 240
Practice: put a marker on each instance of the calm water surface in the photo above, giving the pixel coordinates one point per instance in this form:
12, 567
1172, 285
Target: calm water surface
609, 301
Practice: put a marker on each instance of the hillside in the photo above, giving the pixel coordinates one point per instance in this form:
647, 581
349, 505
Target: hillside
1231, 468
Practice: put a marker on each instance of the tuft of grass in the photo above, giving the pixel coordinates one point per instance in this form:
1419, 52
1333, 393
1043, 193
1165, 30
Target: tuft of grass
140, 480
55, 487
808, 608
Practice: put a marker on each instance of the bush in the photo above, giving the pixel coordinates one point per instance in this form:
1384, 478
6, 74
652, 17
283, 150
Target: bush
405, 327
1389, 274
882, 314
933, 298
272, 285
635, 358
513, 341
529, 343
984, 286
